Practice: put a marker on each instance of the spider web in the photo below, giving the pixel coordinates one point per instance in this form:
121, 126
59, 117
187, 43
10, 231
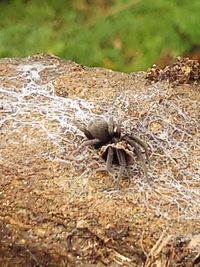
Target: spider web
167, 125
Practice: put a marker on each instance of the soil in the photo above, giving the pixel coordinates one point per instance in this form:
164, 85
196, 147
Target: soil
57, 208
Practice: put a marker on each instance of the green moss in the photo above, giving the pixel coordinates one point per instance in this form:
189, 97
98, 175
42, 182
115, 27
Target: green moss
123, 35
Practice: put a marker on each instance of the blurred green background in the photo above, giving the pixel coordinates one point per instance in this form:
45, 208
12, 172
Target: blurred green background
125, 35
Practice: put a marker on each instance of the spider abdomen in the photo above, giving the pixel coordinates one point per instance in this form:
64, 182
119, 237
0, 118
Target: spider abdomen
99, 129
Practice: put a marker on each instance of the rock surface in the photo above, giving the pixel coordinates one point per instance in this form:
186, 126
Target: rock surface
56, 207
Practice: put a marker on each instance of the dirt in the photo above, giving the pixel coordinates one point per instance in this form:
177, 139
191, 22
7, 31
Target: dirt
57, 207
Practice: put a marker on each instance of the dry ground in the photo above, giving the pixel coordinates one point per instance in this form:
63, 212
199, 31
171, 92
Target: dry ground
57, 209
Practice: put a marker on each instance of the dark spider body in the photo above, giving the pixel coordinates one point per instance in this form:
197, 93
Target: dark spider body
99, 132
115, 148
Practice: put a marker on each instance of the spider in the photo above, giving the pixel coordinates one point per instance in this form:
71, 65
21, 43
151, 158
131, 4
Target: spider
114, 147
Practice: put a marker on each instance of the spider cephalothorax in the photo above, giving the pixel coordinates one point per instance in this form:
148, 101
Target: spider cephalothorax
99, 132
115, 148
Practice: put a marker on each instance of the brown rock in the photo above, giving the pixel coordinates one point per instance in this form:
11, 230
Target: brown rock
55, 203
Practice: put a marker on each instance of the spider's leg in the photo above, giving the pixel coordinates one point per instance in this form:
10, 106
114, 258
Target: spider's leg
90, 142
140, 142
109, 159
111, 126
114, 129
141, 158
129, 162
79, 125
138, 154
118, 130
83, 129
122, 164
86, 143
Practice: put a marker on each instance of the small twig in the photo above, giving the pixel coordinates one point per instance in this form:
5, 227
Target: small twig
157, 248
33, 257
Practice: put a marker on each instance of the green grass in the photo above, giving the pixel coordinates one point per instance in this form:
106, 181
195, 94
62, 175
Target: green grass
121, 35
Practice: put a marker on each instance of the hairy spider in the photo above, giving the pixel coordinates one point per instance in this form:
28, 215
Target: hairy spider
115, 148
